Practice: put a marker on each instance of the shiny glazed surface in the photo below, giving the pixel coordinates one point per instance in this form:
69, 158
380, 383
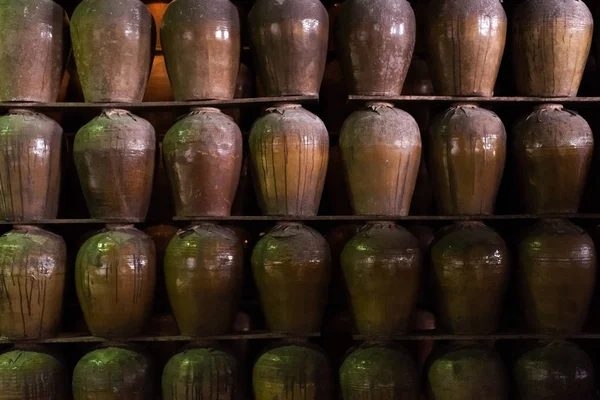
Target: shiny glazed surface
31, 375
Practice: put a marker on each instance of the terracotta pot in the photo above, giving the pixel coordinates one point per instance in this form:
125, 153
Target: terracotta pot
556, 276
381, 132
289, 147
381, 266
201, 42
115, 275
379, 372
157, 8
33, 46
292, 269
467, 153
465, 45
203, 272
553, 150
376, 61
161, 235
203, 158
551, 44
337, 238
289, 41
470, 268
114, 156
30, 166
158, 87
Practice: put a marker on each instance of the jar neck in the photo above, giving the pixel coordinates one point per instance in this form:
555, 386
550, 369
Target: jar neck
549, 106
205, 109
115, 227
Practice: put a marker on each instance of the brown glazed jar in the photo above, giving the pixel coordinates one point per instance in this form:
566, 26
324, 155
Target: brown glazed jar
289, 147
115, 274
553, 150
33, 49
30, 166
556, 276
114, 156
376, 60
465, 45
381, 266
203, 158
470, 273
292, 269
201, 42
113, 66
467, 152
551, 44
289, 41
381, 149
203, 271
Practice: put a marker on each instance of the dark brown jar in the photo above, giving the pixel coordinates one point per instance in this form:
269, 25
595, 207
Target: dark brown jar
556, 276
113, 66
115, 274
289, 147
551, 44
381, 149
381, 266
114, 156
201, 42
553, 150
289, 41
376, 60
465, 45
33, 49
203, 272
203, 158
470, 272
30, 166
292, 269
467, 152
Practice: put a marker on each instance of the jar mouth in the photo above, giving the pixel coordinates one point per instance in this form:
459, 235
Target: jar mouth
466, 104
289, 223
20, 111
26, 227
549, 106
379, 104
205, 109
119, 226
286, 106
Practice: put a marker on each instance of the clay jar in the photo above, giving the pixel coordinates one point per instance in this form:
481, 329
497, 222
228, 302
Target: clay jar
467, 152
553, 150
32, 280
381, 132
113, 66
203, 158
289, 41
289, 148
201, 42
114, 156
32, 50
115, 274
465, 45
376, 40
470, 274
551, 44
203, 272
292, 269
556, 276
30, 166
381, 266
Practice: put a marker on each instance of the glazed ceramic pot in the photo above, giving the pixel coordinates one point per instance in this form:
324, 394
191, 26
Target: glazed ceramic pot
115, 274
381, 132
376, 60
114, 156
203, 158
467, 153
553, 150
33, 46
292, 269
551, 44
161, 235
203, 272
289, 148
30, 166
381, 266
465, 45
201, 42
289, 40
113, 66
556, 276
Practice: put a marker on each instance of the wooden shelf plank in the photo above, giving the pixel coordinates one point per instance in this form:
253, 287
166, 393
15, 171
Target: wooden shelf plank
458, 99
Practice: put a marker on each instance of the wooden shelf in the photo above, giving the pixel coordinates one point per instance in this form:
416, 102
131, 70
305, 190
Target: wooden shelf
495, 336
458, 99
